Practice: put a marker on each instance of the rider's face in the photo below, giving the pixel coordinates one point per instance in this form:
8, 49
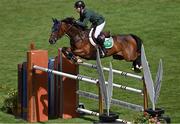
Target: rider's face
78, 10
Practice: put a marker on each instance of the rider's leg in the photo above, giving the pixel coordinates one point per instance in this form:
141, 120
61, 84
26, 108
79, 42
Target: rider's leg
94, 43
90, 37
100, 39
98, 29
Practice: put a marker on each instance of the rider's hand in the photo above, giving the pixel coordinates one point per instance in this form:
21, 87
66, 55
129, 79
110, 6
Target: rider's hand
76, 21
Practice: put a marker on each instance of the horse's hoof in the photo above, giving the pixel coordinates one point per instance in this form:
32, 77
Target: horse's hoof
79, 61
138, 67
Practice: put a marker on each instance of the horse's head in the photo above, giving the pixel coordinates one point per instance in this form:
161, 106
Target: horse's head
56, 32
60, 28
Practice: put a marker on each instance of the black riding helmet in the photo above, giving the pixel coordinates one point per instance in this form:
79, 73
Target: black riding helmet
79, 4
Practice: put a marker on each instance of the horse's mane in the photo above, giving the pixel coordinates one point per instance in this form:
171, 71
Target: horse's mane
69, 20
72, 21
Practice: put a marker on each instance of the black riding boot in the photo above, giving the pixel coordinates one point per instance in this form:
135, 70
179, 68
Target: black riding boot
100, 41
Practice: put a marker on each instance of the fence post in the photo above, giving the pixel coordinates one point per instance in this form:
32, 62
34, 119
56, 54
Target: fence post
37, 90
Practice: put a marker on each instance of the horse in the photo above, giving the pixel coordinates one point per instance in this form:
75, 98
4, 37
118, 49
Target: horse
126, 46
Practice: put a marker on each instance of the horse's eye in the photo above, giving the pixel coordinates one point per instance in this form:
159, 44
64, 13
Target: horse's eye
54, 29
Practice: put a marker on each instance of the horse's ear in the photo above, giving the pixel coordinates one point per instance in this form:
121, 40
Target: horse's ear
54, 20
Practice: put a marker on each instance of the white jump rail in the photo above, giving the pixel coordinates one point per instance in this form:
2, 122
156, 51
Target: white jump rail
90, 80
84, 78
117, 85
64, 74
86, 111
113, 101
114, 71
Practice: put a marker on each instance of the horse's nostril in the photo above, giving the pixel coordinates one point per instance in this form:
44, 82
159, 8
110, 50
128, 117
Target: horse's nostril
50, 41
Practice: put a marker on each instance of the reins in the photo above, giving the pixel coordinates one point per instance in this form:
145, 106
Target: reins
78, 31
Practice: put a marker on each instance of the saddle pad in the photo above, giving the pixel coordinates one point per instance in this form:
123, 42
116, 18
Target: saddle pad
108, 43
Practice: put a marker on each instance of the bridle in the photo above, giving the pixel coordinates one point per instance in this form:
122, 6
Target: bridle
69, 28
65, 31
71, 25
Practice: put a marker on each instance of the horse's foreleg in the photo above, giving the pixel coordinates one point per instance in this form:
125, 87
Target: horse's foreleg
69, 54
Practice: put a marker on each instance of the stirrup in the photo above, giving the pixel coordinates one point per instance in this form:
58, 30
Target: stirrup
102, 53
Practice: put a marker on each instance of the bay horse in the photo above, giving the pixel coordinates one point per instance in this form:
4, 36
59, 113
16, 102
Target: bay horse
127, 47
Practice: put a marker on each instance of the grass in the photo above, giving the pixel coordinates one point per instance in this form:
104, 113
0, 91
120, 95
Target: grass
156, 22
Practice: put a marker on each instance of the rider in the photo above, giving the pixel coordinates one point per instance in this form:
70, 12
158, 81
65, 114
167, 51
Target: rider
97, 21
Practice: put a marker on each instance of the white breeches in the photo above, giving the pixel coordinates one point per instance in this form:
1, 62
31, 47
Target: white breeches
97, 31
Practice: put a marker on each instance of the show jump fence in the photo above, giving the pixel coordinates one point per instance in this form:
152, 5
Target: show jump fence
50, 88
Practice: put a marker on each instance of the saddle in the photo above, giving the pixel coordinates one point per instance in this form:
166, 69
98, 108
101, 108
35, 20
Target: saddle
105, 41
105, 34
102, 36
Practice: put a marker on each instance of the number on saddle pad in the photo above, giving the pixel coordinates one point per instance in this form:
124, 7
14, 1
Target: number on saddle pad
108, 43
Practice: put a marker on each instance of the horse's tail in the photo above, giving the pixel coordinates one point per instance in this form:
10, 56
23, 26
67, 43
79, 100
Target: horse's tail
138, 42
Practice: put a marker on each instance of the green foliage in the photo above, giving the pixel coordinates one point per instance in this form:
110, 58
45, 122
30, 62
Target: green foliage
10, 102
147, 119
141, 119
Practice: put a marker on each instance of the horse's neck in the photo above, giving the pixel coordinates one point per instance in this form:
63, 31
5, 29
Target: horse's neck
75, 34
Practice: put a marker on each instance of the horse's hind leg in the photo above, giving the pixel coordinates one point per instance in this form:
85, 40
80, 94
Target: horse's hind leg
137, 64
119, 57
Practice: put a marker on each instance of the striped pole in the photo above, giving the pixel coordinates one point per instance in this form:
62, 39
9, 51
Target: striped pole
114, 71
64, 74
85, 78
113, 101
118, 86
